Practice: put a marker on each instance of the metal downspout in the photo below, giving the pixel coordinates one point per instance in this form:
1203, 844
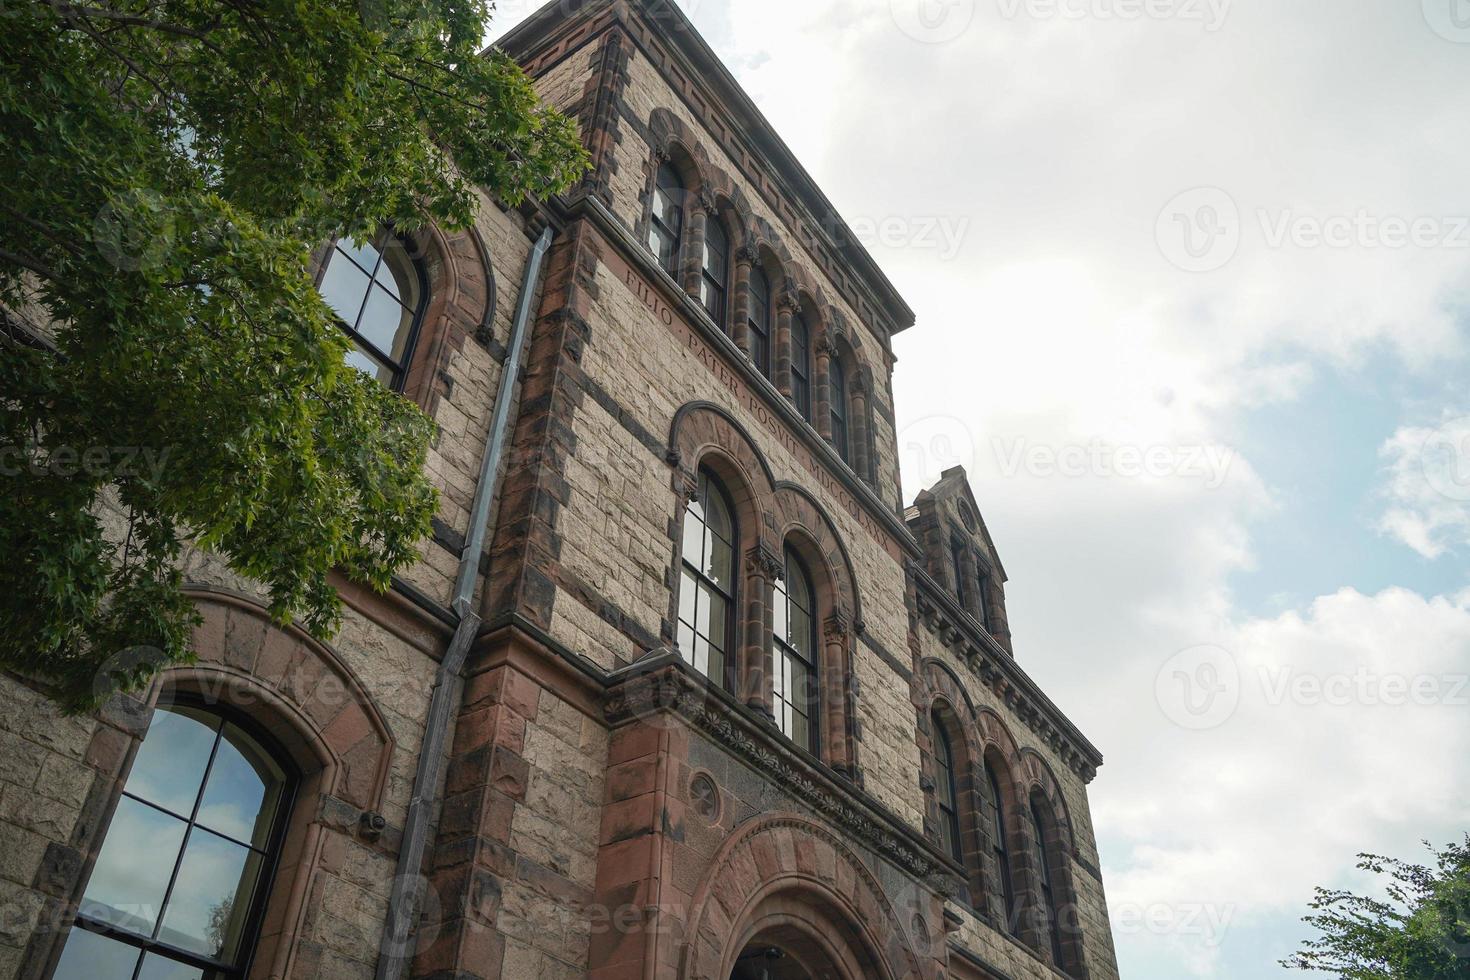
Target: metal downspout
403, 903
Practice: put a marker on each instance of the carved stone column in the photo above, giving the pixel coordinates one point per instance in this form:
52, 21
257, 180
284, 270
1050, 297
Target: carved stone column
822, 386
745, 259
787, 306
838, 704
857, 428
763, 565
700, 207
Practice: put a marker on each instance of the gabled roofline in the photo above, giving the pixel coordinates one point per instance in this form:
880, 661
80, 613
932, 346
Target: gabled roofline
664, 16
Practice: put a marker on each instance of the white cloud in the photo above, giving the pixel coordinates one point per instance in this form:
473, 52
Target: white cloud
1427, 486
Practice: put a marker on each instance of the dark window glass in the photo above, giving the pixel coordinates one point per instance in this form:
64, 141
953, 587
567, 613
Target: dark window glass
378, 292
983, 600
1048, 896
795, 674
760, 321
1000, 848
667, 226
957, 553
838, 384
716, 270
706, 587
178, 885
945, 793
801, 366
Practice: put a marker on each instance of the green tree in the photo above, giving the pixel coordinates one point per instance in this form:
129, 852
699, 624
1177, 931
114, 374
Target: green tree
169, 373
1419, 931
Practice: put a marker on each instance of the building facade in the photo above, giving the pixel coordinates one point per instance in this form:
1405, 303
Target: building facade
729, 709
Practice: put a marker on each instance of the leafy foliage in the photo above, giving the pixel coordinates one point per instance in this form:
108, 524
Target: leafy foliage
171, 165
1421, 931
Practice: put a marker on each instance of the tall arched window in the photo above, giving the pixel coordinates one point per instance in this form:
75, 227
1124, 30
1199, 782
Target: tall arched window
794, 680
1044, 868
715, 270
837, 381
378, 292
180, 883
801, 366
760, 320
667, 226
1000, 849
706, 587
945, 793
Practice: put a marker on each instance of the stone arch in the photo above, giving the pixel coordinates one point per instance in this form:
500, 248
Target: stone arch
779, 865
461, 305
797, 511
1056, 874
1040, 778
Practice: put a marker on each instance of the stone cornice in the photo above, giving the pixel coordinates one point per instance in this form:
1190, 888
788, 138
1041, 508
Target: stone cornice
663, 684
998, 670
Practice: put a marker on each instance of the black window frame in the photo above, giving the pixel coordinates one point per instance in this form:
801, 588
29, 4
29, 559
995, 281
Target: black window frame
714, 290
669, 184
1048, 894
276, 838
759, 326
946, 791
709, 482
782, 649
801, 365
399, 368
839, 408
1000, 848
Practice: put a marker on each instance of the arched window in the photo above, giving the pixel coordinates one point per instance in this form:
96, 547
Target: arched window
706, 587
1044, 868
838, 396
667, 226
795, 676
1000, 849
378, 292
715, 270
801, 366
760, 320
961, 586
945, 793
179, 885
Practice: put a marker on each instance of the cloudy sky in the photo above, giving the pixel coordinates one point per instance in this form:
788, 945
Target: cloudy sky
1191, 279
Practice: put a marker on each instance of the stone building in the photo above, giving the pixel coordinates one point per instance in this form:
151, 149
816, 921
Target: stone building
721, 706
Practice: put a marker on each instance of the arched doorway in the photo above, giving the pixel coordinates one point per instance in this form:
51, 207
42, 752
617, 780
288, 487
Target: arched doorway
785, 953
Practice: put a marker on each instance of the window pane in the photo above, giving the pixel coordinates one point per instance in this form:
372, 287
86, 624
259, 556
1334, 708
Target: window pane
132, 872
89, 956
364, 253
344, 287
780, 612
371, 366
721, 562
169, 767
398, 275
156, 967
693, 547
718, 515
713, 609
385, 323
207, 908
716, 249
243, 792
